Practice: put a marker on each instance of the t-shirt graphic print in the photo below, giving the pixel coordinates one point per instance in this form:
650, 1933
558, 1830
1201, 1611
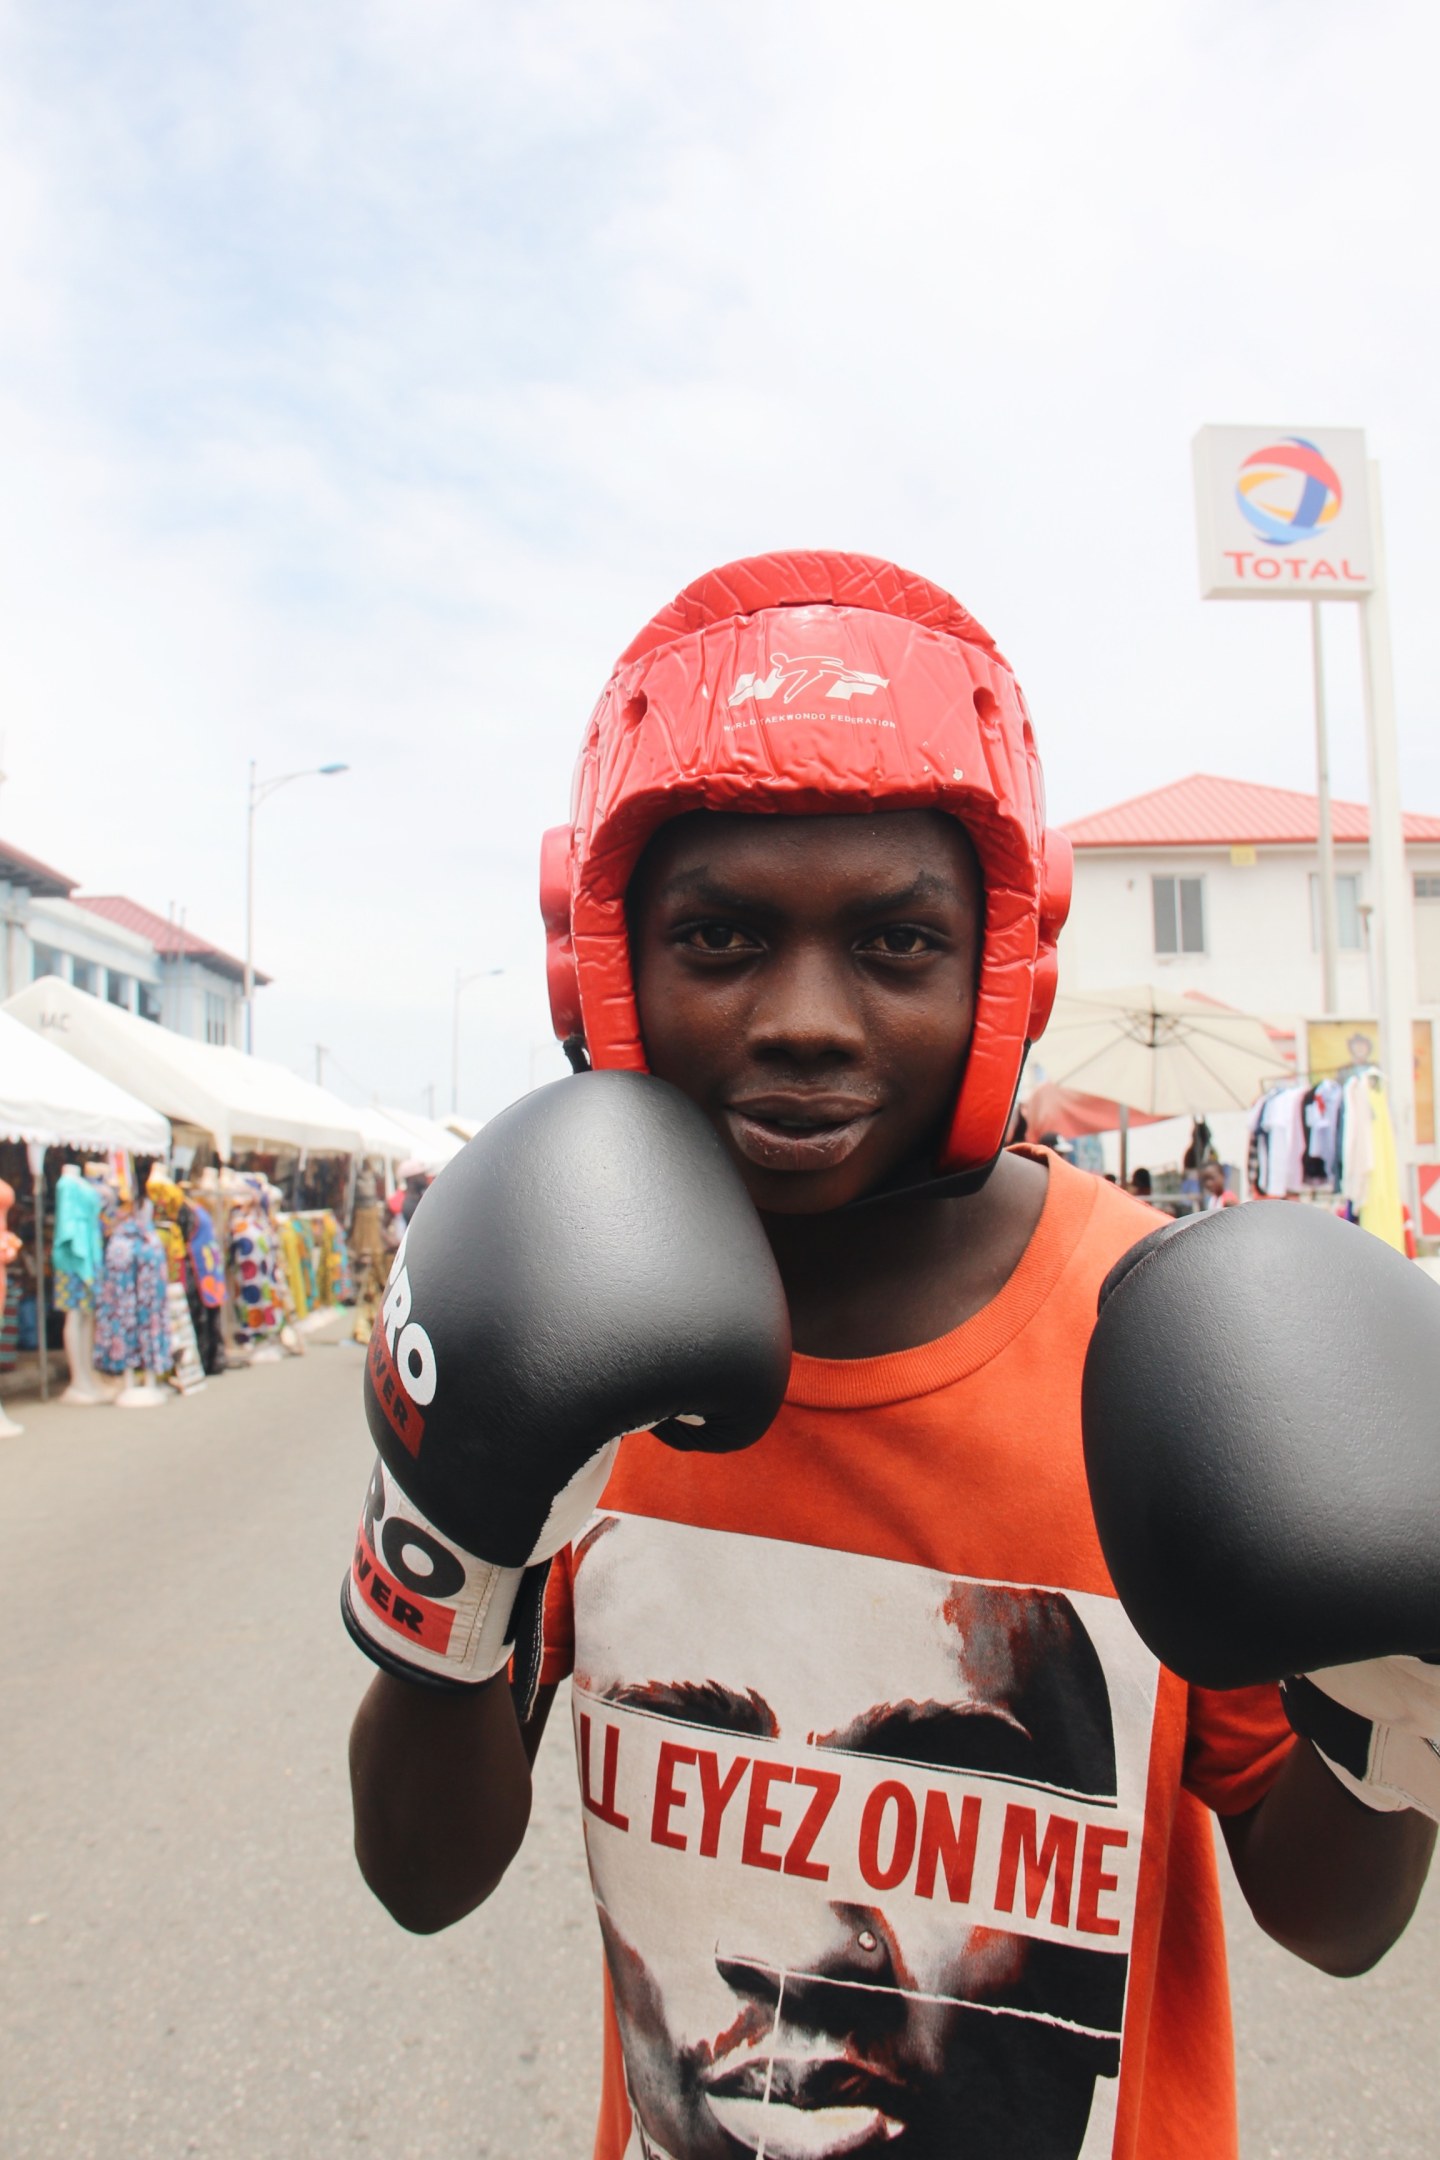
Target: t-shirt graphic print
866, 1866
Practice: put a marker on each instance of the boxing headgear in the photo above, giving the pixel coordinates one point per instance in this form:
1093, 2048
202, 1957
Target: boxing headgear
813, 683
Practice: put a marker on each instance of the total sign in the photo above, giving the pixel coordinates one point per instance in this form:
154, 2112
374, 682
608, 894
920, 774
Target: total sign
1284, 513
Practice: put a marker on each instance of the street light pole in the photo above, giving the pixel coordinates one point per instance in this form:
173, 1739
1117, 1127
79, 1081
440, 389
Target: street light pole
256, 794
462, 982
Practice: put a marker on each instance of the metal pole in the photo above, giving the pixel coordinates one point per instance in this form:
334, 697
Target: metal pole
37, 1171
1392, 920
250, 914
1124, 1143
1329, 938
455, 1049
319, 1064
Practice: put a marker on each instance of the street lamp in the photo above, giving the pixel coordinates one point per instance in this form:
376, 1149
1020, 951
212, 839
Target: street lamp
462, 982
259, 790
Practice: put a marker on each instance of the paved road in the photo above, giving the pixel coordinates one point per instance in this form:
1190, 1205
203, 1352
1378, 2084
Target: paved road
188, 1960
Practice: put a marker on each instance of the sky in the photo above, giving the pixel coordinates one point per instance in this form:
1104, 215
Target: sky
374, 368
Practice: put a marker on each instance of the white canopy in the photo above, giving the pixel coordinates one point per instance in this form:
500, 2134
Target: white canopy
430, 1144
381, 1136
50, 1097
243, 1102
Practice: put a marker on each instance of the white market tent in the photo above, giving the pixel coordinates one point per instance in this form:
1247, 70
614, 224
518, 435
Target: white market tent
51, 1099
241, 1102
430, 1143
380, 1136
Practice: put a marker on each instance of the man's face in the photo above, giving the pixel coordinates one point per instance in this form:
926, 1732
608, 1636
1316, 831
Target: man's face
810, 983
810, 1992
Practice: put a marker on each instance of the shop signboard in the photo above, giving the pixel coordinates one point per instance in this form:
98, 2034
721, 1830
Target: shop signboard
1336, 1048
1284, 513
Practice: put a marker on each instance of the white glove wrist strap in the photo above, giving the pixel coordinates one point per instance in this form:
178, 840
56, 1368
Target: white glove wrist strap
423, 1600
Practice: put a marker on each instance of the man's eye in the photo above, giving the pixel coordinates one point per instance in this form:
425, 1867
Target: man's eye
902, 939
717, 937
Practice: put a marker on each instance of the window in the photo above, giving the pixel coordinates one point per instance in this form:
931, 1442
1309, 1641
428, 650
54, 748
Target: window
46, 960
1179, 904
1427, 886
117, 988
86, 976
1348, 935
149, 1002
217, 1018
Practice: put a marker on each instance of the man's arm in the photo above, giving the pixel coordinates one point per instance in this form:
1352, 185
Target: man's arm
1327, 1877
440, 1782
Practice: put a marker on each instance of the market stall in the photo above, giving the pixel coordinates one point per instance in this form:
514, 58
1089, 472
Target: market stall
50, 1100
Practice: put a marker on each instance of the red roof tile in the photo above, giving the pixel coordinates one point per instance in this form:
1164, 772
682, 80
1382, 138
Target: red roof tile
21, 869
1204, 811
164, 935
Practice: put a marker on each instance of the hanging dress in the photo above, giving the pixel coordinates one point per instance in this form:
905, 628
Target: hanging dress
254, 1266
132, 1322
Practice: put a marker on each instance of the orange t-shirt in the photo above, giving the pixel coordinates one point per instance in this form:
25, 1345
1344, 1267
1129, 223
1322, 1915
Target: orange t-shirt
897, 1830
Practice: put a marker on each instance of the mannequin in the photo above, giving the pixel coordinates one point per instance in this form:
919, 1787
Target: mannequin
9, 1250
79, 1255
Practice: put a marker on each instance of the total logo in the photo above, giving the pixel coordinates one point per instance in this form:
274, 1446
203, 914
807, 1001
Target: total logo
1290, 495
791, 676
1289, 492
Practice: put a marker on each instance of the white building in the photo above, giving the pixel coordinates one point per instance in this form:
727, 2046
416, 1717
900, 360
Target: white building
1213, 885
201, 988
117, 950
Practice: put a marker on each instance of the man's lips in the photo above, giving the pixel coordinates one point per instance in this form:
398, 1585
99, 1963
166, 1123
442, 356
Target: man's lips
799, 1132
807, 2107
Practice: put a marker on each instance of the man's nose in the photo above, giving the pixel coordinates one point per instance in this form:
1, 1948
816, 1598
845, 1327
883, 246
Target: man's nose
844, 1978
807, 1007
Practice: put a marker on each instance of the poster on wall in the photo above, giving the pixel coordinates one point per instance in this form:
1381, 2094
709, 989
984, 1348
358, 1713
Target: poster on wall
1337, 1048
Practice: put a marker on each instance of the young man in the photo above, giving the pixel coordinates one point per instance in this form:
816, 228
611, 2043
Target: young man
898, 1833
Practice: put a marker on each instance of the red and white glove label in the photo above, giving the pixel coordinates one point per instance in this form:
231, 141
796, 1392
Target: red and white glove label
422, 1599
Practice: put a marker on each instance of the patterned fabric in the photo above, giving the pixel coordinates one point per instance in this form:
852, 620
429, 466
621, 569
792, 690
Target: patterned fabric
297, 1275
132, 1323
255, 1265
72, 1292
205, 1258
9, 1321
168, 1202
338, 1286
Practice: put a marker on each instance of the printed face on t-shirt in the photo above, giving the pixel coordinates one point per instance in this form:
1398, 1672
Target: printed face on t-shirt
821, 1791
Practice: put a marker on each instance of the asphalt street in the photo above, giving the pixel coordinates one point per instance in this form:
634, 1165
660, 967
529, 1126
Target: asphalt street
189, 1962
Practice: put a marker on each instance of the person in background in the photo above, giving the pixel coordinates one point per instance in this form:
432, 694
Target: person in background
1140, 1184
1214, 1192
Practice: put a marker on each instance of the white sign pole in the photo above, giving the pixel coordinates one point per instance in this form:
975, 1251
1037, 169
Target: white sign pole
1390, 884
1329, 935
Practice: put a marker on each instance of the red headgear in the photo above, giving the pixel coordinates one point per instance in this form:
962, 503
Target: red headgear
813, 683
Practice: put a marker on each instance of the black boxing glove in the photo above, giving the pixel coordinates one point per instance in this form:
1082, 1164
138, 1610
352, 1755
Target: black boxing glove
589, 1265
1263, 1448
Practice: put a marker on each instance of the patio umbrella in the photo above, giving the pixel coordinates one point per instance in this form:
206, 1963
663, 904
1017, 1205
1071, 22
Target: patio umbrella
1160, 1051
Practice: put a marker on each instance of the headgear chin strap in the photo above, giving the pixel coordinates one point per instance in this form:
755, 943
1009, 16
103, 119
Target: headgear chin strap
814, 684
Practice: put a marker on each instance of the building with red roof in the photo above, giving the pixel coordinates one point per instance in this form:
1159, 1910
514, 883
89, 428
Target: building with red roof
117, 949
1211, 884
